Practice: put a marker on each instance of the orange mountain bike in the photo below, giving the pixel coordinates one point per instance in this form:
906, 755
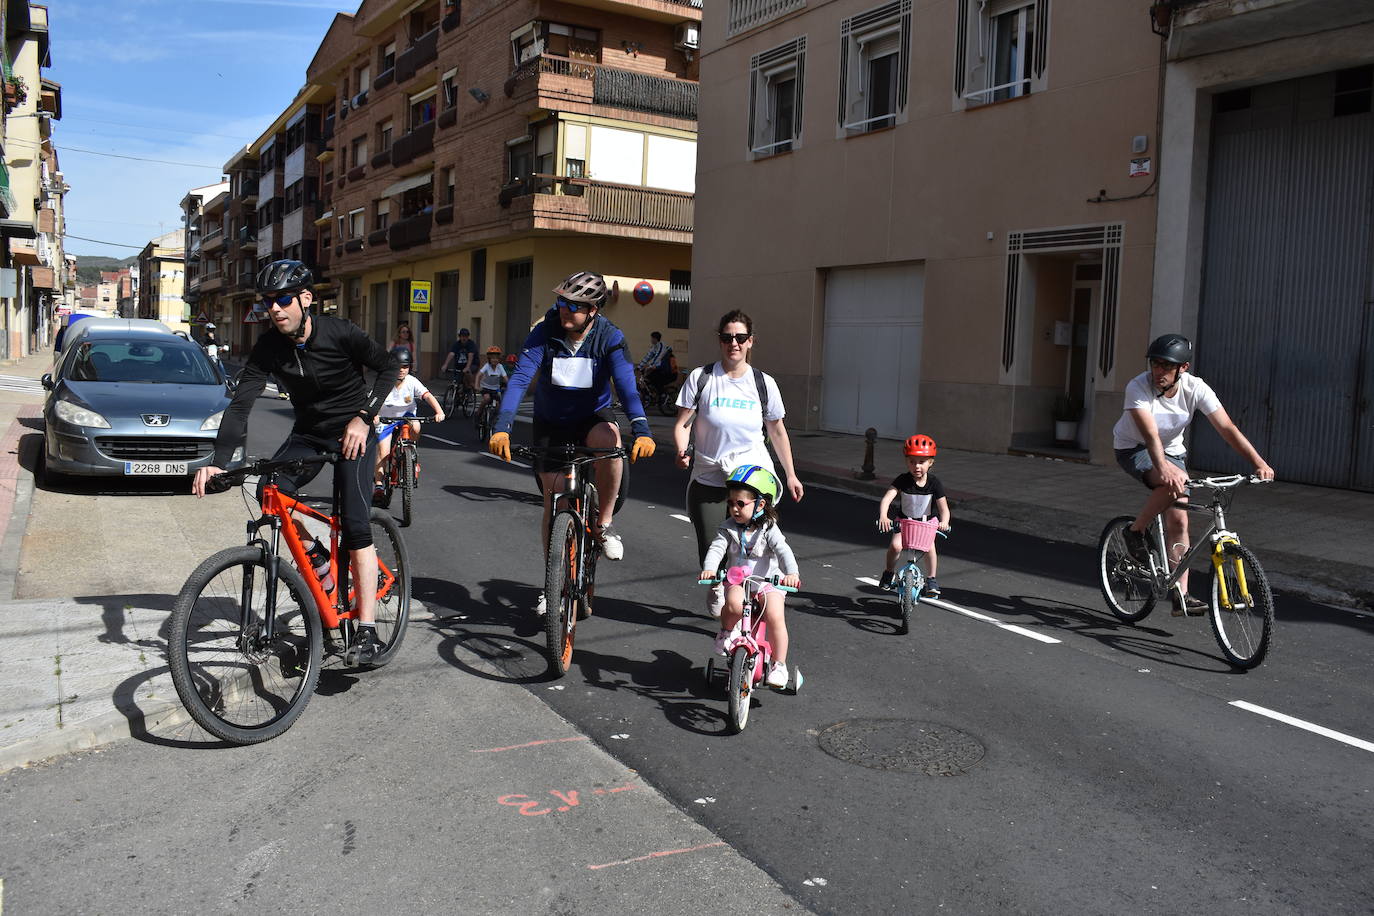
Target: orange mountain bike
248, 629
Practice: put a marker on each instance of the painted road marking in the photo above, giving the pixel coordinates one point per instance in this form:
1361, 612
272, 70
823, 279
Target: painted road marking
869, 580
516, 747
1306, 726
951, 606
657, 855
682, 518
439, 439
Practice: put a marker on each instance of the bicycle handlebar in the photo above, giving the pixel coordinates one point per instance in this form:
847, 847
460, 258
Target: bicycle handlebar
569, 452
770, 580
220, 483
1227, 481
943, 534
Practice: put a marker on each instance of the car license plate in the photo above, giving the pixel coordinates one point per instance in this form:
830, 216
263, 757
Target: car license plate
154, 468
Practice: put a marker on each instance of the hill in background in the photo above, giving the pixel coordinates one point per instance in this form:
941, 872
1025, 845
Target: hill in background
88, 267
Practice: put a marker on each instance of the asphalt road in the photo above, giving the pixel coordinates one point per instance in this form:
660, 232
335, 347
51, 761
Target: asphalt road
1098, 768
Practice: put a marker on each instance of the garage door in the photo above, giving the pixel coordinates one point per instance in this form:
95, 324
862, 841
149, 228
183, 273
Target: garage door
872, 349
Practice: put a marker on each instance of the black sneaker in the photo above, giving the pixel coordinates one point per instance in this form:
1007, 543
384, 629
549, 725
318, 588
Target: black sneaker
886, 580
1187, 604
366, 646
932, 589
1137, 546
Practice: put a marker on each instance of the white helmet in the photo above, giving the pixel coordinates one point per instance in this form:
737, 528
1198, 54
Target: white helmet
209, 325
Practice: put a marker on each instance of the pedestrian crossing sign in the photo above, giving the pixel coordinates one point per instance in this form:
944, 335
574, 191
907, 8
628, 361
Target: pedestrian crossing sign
202, 318
419, 295
251, 316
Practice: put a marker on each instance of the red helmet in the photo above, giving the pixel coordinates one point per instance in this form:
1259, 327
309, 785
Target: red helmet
919, 447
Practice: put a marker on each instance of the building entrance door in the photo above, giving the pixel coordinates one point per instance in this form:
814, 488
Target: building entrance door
519, 293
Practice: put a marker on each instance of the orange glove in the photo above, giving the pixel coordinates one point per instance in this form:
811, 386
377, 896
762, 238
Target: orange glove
643, 448
499, 445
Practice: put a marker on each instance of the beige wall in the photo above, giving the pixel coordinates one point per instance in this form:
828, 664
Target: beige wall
930, 190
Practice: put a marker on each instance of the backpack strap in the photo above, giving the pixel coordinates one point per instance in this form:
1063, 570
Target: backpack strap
706, 372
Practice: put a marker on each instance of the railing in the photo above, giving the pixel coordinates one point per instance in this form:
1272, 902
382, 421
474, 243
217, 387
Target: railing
622, 205
612, 86
385, 78
249, 188
416, 143
745, 14
247, 280
247, 239
411, 231
425, 50
377, 237
381, 158
358, 171
353, 245
444, 215
6, 196
448, 117
450, 21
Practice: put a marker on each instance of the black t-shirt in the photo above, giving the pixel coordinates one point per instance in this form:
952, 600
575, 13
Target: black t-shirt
914, 501
463, 352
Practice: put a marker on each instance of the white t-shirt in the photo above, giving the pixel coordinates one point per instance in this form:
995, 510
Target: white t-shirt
729, 424
490, 376
1172, 414
402, 399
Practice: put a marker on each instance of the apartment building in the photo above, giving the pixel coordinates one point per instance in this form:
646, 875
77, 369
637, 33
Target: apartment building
162, 281
32, 263
1266, 224
205, 273
447, 165
939, 213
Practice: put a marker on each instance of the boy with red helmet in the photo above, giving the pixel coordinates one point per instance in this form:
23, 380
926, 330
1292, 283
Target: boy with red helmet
921, 497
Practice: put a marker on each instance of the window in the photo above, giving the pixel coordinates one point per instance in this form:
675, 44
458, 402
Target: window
355, 224
384, 135
361, 76
1000, 50
775, 98
422, 108
386, 57
450, 88
478, 275
875, 58
536, 38
521, 161
679, 298
448, 182
422, 21
381, 213
359, 157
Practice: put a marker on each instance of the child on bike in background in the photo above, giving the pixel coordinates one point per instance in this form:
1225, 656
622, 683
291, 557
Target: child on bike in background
750, 537
491, 378
921, 497
401, 401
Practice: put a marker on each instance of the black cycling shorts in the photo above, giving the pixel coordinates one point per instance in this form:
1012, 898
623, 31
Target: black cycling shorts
354, 477
546, 433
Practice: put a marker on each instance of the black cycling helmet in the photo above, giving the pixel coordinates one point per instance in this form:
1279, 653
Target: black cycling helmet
402, 356
1171, 348
284, 276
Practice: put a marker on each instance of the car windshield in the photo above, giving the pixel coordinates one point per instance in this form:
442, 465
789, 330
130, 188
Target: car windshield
138, 361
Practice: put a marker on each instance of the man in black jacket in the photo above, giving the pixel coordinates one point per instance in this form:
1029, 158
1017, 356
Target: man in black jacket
318, 360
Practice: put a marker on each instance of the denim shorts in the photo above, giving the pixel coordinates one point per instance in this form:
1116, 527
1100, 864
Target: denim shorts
1136, 461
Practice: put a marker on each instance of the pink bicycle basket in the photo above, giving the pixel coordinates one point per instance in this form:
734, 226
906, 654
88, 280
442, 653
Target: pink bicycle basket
918, 534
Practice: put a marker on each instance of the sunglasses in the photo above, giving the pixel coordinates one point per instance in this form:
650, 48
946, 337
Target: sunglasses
281, 301
740, 503
573, 306
737, 338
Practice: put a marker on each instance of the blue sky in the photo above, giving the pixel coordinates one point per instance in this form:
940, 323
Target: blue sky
183, 81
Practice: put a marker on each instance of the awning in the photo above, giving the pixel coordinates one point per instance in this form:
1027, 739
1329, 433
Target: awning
405, 184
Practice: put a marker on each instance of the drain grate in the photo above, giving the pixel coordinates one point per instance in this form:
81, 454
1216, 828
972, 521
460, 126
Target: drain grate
902, 746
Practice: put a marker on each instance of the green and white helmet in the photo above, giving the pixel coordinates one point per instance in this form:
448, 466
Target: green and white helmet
759, 479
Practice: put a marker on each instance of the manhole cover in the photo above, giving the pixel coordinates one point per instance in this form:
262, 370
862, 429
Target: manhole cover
903, 746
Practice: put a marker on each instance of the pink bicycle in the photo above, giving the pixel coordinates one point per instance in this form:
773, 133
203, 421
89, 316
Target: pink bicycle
747, 648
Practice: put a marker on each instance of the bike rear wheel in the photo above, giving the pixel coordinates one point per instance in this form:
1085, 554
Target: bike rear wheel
1127, 588
407, 474
741, 689
909, 592
450, 398
1242, 608
469, 401
238, 685
560, 591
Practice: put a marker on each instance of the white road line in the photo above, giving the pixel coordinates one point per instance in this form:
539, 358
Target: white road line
1306, 726
440, 439
1010, 627
682, 518
868, 580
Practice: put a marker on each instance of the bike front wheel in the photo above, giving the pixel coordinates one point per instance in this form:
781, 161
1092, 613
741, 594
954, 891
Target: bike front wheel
741, 688
1242, 607
909, 592
560, 591
407, 485
1127, 587
450, 398
468, 399
239, 684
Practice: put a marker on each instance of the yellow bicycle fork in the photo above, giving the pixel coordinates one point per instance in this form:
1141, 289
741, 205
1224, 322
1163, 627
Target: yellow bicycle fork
1219, 571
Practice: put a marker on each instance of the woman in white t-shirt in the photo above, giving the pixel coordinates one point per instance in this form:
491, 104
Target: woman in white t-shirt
402, 401
733, 403
1148, 439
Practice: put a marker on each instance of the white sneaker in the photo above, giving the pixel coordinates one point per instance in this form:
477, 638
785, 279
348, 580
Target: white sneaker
611, 545
777, 676
721, 639
715, 599
540, 606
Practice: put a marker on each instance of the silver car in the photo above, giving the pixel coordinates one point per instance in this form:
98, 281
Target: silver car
131, 398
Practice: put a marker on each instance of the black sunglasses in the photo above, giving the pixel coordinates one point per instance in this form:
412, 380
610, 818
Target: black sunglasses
283, 300
573, 306
737, 338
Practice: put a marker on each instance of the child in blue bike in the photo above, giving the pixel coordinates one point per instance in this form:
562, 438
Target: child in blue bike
921, 497
750, 537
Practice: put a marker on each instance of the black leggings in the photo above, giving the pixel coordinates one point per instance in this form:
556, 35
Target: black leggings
354, 477
706, 508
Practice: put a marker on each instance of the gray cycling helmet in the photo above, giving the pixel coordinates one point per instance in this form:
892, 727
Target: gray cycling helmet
1172, 348
402, 356
284, 276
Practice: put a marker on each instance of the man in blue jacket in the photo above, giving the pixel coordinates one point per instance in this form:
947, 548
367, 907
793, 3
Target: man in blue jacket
575, 353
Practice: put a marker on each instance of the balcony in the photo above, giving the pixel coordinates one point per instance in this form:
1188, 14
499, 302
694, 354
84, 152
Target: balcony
584, 81
47, 219
444, 215
411, 231
248, 192
381, 159
384, 79
448, 117
559, 203
213, 241
212, 283
248, 241
353, 245
670, 11
377, 237
451, 20
1198, 27
416, 143
247, 280
355, 173
424, 51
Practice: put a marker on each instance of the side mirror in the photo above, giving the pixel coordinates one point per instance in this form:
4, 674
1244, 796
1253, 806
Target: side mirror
47, 381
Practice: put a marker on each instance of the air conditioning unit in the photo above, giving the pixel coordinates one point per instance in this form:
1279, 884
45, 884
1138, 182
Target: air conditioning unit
687, 36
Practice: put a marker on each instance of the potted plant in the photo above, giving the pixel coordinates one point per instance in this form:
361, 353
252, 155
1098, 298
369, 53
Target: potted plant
1067, 412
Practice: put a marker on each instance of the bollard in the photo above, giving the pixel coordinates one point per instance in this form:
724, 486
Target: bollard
870, 437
